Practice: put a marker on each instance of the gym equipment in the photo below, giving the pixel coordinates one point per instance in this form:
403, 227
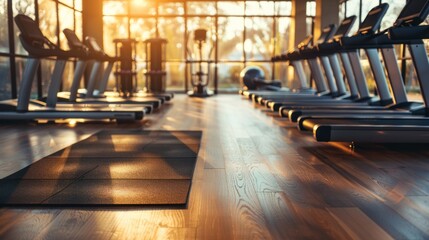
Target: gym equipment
155, 63
253, 78
93, 94
300, 77
38, 47
365, 39
125, 72
199, 79
140, 96
160, 171
305, 52
386, 129
368, 27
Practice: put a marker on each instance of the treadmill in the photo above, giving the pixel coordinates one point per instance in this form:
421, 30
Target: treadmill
295, 56
40, 47
77, 97
95, 49
330, 61
401, 104
386, 129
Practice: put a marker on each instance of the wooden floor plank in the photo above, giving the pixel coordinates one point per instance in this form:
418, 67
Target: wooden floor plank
215, 214
357, 224
247, 217
176, 233
416, 210
31, 223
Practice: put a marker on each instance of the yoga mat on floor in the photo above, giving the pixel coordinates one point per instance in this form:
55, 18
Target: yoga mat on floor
130, 167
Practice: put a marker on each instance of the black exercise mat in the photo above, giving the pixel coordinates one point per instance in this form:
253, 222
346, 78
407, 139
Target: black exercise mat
123, 192
100, 150
52, 168
130, 167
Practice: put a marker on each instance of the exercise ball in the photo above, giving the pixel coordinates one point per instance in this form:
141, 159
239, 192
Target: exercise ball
250, 75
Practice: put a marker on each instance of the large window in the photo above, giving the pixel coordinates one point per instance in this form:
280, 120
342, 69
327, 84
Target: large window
239, 33
12, 54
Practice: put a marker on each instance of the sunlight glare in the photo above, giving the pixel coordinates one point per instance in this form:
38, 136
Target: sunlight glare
248, 46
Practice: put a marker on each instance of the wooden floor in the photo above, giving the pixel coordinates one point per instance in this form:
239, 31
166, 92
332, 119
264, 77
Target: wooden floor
257, 177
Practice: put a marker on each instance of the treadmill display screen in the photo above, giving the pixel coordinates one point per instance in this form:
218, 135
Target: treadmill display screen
373, 20
306, 42
345, 26
326, 34
414, 13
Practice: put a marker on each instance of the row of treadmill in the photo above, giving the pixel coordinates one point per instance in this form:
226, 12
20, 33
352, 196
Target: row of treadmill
340, 108
90, 103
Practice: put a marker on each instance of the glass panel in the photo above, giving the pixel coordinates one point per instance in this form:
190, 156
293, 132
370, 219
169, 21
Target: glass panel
230, 8
284, 8
173, 29
142, 29
395, 8
231, 42
366, 7
5, 87
78, 24
353, 9
258, 43
67, 2
311, 8
175, 76
140, 8
67, 21
309, 24
48, 19
282, 39
4, 41
171, 8
115, 7
113, 27
229, 76
22, 7
342, 11
259, 8
201, 8
78, 5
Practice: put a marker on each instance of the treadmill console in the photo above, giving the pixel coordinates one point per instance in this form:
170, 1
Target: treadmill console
414, 13
306, 42
373, 20
31, 34
345, 27
73, 40
327, 33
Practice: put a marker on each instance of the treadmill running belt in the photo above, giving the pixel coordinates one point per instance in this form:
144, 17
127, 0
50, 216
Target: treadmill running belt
130, 167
